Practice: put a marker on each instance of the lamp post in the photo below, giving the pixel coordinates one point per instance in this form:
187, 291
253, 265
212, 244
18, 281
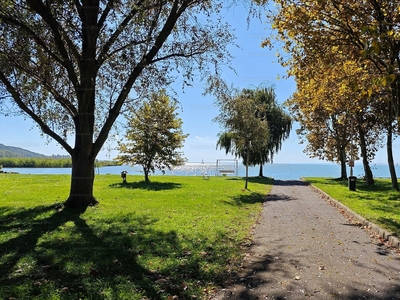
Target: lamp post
352, 179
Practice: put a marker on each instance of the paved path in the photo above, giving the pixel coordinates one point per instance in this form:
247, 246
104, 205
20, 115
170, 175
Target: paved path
303, 247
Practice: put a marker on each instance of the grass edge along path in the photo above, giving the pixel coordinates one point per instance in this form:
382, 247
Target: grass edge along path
378, 204
176, 238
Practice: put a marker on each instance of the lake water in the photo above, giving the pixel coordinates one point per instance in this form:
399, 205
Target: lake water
277, 171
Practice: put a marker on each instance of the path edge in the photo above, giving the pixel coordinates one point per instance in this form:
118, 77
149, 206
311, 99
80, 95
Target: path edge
382, 233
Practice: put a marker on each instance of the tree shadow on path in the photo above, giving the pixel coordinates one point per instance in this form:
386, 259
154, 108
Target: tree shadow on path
269, 272
282, 196
290, 183
270, 276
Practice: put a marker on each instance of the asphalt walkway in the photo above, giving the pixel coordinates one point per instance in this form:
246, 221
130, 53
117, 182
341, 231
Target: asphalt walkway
305, 248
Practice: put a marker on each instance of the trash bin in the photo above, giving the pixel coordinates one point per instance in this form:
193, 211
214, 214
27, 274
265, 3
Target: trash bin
352, 183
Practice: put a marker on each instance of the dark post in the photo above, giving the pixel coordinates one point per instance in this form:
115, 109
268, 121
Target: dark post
352, 183
352, 179
123, 176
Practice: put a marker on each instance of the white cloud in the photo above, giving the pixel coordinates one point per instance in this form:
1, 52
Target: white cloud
201, 138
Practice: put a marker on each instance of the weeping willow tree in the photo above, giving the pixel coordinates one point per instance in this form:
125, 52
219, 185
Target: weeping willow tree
246, 131
279, 126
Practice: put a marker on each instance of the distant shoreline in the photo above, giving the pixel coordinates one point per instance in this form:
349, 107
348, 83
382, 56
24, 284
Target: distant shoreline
288, 171
48, 162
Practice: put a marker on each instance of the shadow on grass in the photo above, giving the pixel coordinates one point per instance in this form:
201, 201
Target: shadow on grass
249, 197
380, 186
37, 260
150, 186
257, 179
48, 252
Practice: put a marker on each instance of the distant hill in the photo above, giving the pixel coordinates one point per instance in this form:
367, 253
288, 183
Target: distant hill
10, 151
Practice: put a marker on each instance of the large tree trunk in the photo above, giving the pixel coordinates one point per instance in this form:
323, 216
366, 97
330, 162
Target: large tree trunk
343, 170
389, 149
82, 180
392, 170
247, 176
369, 178
343, 167
146, 175
247, 167
260, 173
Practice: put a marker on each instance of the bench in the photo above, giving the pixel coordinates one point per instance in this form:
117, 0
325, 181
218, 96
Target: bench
226, 171
206, 176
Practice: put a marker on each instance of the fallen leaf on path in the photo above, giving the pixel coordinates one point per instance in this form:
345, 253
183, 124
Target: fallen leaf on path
184, 286
204, 253
161, 281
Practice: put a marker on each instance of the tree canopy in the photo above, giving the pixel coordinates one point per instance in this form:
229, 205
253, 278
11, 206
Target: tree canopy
153, 136
345, 56
245, 131
279, 126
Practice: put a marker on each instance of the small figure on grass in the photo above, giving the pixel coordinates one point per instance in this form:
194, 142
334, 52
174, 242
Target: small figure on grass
123, 176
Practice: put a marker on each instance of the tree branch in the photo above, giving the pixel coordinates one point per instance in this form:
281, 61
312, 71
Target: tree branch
54, 26
57, 96
17, 98
175, 13
107, 46
33, 35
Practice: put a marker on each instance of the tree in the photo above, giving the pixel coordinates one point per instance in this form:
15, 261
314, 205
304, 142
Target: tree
366, 32
327, 135
279, 123
335, 115
154, 134
245, 131
74, 66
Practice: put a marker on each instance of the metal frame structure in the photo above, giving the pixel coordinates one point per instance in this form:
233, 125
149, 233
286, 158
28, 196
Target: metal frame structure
227, 169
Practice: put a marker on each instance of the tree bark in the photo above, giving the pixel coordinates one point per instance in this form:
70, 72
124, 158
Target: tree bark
389, 149
343, 167
146, 175
260, 173
369, 178
247, 168
392, 169
82, 181
389, 146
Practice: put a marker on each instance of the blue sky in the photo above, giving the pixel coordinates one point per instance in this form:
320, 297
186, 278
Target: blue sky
253, 65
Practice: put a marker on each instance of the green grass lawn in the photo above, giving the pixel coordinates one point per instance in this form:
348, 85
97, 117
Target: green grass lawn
378, 204
175, 238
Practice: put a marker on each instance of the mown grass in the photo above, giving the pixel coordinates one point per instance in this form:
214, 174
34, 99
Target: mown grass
175, 238
378, 203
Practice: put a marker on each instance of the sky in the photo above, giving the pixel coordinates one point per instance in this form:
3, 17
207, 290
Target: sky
253, 66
